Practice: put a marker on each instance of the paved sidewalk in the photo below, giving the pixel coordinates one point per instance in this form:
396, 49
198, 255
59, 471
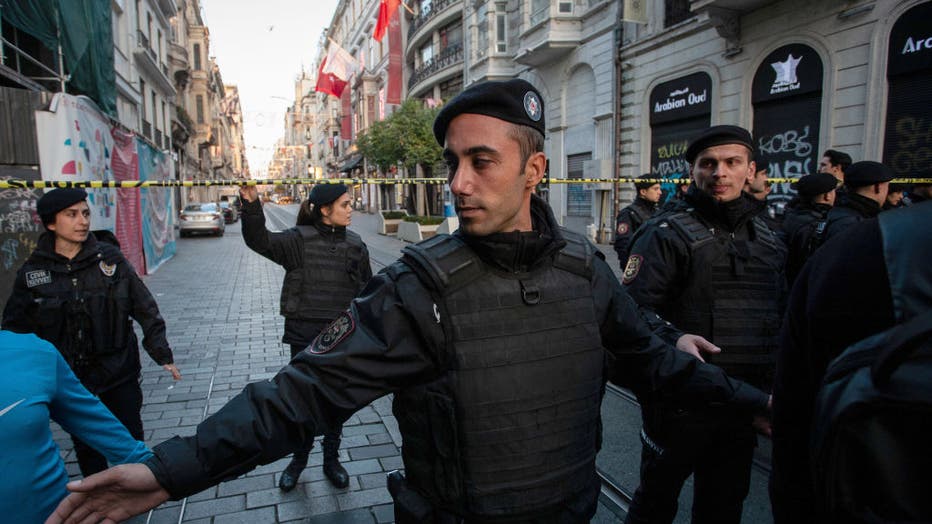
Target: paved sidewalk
220, 302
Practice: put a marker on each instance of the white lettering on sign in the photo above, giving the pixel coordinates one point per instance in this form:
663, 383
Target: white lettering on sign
913, 46
676, 103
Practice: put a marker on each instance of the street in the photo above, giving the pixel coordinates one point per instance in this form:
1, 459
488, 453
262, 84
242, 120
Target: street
220, 302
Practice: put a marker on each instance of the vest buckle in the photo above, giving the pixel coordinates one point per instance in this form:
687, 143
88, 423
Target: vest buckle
529, 293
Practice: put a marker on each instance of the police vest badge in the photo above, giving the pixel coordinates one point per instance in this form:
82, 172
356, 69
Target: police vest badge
107, 269
623, 228
632, 268
38, 277
333, 334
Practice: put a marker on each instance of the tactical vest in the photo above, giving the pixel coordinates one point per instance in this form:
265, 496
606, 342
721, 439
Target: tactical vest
639, 215
731, 296
328, 279
512, 426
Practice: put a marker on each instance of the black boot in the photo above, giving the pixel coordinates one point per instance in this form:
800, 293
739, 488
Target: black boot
332, 467
292, 473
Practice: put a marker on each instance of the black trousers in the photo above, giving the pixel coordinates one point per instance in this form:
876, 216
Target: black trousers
125, 402
331, 441
717, 448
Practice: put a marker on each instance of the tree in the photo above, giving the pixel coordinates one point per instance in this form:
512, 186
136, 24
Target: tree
406, 136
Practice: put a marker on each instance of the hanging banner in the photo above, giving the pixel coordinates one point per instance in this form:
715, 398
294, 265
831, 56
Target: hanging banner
395, 61
158, 214
75, 144
125, 165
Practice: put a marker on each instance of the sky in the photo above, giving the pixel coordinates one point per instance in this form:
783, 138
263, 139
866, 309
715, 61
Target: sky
260, 47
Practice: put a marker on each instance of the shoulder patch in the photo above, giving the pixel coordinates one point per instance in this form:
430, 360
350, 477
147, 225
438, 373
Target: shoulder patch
632, 268
623, 228
328, 339
38, 277
107, 269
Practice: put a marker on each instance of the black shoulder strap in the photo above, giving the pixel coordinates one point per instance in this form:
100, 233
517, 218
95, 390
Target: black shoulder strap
694, 232
443, 261
817, 238
307, 232
765, 235
576, 255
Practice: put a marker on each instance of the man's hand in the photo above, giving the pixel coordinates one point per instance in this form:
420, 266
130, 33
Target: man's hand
113, 495
695, 345
249, 193
171, 368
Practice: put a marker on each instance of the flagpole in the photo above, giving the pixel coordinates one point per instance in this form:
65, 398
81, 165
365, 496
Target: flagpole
406, 7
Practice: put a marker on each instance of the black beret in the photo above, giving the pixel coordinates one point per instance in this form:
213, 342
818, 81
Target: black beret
323, 194
56, 200
718, 136
515, 101
867, 172
815, 184
645, 185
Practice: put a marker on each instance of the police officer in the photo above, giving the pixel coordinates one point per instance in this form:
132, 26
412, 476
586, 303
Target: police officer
876, 274
920, 192
805, 219
80, 295
633, 215
492, 339
326, 265
868, 183
711, 267
835, 163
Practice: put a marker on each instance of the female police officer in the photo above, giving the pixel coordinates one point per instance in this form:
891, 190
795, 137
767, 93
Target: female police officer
326, 265
79, 294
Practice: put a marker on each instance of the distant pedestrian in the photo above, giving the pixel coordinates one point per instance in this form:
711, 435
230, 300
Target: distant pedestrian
632, 216
326, 265
81, 295
835, 163
919, 192
868, 183
38, 386
895, 197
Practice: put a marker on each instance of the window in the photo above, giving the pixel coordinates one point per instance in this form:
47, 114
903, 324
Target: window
155, 110
540, 10
565, 8
451, 87
426, 52
197, 57
142, 89
451, 36
149, 28
200, 109
501, 37
482, 30
675, 11
578, 198
159, 49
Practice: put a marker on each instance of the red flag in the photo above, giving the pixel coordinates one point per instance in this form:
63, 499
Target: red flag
387, 9
328, 82
395, 61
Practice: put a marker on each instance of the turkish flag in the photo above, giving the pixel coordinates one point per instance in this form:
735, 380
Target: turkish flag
328, 82
387, 9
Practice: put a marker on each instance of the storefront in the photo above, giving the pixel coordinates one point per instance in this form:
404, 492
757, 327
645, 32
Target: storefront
679, 110
787, 98
908, 132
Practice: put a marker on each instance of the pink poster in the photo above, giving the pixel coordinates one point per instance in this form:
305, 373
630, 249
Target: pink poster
125, 166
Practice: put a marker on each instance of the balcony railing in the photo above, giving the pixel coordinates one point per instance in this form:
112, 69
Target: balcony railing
541, 14
146, 129
450, 56
144, 43
435, 7
158, 138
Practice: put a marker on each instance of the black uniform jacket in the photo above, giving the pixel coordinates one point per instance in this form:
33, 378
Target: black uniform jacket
51, 293
286, 248
627, 223
853, 209
797, 233
841, 296
392, 338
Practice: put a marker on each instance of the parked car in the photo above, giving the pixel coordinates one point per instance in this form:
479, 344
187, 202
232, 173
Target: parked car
201, 217
229, 212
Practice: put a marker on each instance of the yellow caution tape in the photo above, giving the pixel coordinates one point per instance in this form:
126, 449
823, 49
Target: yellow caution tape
96, 184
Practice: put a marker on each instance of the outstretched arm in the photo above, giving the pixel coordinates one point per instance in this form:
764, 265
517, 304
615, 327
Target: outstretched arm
113, 495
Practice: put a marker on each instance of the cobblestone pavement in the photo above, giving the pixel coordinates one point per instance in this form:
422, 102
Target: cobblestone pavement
220, 303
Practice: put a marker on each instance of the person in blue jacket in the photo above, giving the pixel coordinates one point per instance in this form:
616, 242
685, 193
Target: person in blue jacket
38, 386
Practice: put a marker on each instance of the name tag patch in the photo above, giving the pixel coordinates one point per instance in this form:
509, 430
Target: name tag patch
38, 278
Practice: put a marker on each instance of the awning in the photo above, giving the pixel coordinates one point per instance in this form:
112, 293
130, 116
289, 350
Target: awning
351, 164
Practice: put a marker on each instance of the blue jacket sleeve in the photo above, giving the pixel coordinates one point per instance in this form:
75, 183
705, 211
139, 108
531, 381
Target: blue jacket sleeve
84, 416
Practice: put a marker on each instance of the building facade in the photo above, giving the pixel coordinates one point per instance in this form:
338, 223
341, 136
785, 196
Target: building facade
803, 75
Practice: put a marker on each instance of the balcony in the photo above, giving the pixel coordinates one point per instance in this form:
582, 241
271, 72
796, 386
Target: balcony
146, 129
148, 62
449, 57
548, 37
435, 8
158, 138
